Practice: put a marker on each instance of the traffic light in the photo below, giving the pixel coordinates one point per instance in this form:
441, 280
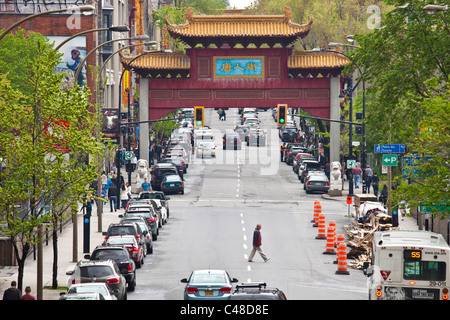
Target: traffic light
199, 116
282, 114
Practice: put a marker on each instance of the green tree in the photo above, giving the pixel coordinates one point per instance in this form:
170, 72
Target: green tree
430, 176
46, 135
398, 59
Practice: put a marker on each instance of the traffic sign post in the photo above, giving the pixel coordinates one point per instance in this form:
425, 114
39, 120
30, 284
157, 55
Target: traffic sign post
389, 148
390, 160
351, 164
129, 155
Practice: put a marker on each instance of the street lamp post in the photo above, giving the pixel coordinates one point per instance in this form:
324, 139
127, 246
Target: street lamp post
113, 29
86, 9
142, 37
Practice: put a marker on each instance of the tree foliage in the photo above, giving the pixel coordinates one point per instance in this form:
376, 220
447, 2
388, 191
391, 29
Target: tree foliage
46, 137
399, 59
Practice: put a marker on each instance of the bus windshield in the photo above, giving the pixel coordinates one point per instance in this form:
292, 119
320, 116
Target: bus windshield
424, 270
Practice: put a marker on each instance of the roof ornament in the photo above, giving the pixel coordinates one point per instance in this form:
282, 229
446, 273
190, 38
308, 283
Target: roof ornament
189, 14
287, 15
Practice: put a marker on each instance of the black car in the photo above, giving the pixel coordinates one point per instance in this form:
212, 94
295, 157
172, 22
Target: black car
131, 228
177, 162
256, 291
160, 195
149, 215
289, 134
122, 259
159, 171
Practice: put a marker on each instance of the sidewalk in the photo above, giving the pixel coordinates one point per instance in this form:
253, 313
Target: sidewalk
405, 223
65, 255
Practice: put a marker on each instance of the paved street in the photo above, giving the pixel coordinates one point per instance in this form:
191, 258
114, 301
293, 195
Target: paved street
211, 226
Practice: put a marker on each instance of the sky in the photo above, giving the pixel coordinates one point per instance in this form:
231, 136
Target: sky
240, 4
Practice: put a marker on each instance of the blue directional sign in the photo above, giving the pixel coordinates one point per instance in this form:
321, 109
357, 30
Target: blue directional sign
389, 148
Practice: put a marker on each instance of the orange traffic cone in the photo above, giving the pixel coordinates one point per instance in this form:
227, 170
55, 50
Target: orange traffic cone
317, 212
322, 228
316, 203
342, 259
331, 238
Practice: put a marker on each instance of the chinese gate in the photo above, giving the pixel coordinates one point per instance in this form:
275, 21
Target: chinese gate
236, 60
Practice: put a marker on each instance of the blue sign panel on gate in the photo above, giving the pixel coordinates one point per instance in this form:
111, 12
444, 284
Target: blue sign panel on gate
239, 67
389, 148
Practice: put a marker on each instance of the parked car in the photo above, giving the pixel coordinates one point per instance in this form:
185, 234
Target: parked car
172, 184
206, 149
208, 284
135, 249
290, 145
257, 137
82, 288
256, 291
289, 134
121, 229
299, 158
156, 195
306, 166
135, 204
311, 173
148, 233
150, 217
232, 141
292, 153
121, 257
83, 296
177, 162
159, 171
105, 271
317, 182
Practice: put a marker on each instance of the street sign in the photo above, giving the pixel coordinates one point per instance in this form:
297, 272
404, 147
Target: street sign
129, 155
389, 148
390, 160
351, 164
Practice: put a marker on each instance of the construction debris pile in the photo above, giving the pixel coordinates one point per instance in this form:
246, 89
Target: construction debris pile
372, 217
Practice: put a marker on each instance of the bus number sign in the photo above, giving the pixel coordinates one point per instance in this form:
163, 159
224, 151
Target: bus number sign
412, 255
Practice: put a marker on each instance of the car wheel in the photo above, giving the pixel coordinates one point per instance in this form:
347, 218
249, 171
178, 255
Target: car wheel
154, 237
150, 249
132, 284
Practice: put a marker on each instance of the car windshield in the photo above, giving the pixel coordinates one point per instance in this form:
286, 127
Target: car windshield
110, 254
120, 240
91, 288
172, 178
210, 277
207, 144
152, 196
119, 230
95, 271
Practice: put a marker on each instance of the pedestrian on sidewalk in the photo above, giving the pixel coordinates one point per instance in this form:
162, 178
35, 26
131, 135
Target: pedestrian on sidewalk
12, 293
375, 182
27, 295
282, 149
369, 175
257, 242
125, 194
356, 171
112, 195
146, 185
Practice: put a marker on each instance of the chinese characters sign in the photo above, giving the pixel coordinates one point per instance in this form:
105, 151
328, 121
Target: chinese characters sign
239, 67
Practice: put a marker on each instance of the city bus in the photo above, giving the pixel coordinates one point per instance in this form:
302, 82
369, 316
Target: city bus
408, 265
